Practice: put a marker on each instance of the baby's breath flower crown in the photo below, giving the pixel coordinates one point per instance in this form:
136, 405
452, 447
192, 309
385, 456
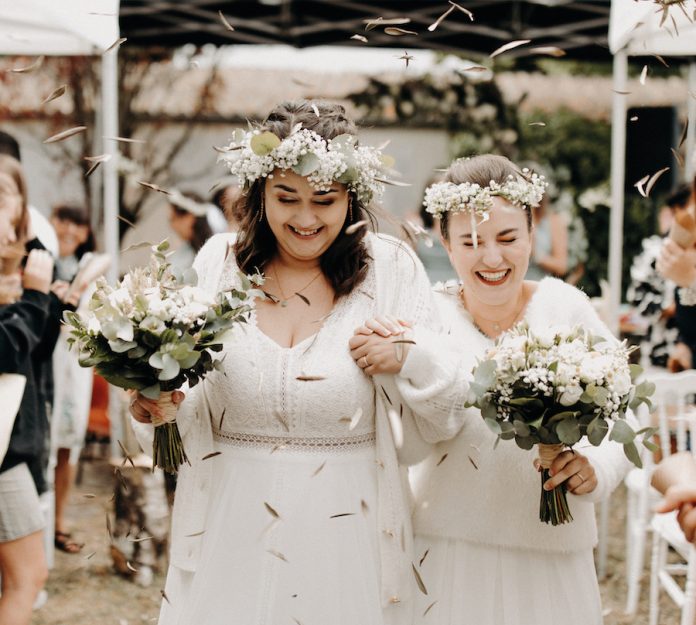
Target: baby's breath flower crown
255, 154
525, 191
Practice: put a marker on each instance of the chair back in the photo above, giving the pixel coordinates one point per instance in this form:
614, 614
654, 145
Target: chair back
673, 404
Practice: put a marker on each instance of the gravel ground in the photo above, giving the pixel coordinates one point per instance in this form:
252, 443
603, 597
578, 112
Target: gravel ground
84, 590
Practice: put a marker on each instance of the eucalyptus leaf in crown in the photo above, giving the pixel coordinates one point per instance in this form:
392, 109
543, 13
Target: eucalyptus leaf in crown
554, 388
156, 330
257, 154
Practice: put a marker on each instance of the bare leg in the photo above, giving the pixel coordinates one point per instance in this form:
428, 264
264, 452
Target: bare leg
63, 480
24, 572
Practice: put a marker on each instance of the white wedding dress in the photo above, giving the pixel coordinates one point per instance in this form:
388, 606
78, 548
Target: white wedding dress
291, 529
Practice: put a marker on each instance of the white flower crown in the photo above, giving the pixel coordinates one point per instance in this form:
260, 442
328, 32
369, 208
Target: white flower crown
255, 154
524, 191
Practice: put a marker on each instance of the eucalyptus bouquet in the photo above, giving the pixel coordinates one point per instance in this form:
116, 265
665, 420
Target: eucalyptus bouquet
156, 330
554, 388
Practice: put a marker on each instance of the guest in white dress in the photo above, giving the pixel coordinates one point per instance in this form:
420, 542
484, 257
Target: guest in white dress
299, 515
484, 556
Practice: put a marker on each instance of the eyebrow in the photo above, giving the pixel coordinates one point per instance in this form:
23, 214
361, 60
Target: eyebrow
291, 190
502, 233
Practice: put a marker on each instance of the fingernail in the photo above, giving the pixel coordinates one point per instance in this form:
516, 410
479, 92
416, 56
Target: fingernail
547, 486
551, 473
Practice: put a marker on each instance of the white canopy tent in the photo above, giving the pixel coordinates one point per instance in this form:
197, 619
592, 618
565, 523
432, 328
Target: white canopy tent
635, 30
74, 28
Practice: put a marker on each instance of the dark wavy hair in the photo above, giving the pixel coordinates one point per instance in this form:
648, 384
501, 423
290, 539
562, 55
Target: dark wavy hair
345, 262
80, 217
480, 170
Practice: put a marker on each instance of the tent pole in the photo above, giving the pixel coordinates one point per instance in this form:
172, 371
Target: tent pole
690, 169
618, 175
111, 230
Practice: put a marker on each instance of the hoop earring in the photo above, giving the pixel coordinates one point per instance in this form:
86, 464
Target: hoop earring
263, 208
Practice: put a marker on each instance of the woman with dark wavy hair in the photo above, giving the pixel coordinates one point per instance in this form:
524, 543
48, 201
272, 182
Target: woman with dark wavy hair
293, 506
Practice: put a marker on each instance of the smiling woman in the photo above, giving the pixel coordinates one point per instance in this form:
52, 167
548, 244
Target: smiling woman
301, 516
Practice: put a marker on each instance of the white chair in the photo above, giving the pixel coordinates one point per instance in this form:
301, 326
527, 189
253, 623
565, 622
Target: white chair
641, 499
672, 408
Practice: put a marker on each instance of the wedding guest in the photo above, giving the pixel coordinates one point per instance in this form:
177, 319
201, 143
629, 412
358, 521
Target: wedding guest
226, 198
188, 217
649, 293
41, 227
72, 383
550, 243
678, 265
24, 310
486, 557
302, 514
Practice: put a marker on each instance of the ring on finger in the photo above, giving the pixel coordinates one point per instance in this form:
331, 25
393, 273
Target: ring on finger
366, 364
582, 479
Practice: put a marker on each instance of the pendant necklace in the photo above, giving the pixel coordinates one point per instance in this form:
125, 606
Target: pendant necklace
497, 327
283, 301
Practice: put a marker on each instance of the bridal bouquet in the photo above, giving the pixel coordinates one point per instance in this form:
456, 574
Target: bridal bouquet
156, 330
554, 388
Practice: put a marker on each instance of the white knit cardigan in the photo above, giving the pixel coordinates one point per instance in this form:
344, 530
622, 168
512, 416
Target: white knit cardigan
403, 290
466, 489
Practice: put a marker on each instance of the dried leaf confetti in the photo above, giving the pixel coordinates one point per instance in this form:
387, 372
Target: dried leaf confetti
430, 607
466, 12
29, 68
319, 469
355, 419
643, 75
653, 179
440, 19
359, 38
153, 187
211, 455
394, 31
66, 134
549, 50
277, 554
225, 22
509, 46
355, 227
341, 514
310, 378
271, 510
116, 44
364, 507
423, 557
55, 94
441, 460
380, 21
419, 579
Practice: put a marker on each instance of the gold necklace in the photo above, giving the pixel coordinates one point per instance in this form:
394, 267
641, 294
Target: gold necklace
497, 326
284, 301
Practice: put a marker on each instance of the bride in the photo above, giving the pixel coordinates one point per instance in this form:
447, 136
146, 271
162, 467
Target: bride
483, 554
293, 509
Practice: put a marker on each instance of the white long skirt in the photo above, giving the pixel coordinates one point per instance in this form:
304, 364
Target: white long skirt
475, 584
315, 563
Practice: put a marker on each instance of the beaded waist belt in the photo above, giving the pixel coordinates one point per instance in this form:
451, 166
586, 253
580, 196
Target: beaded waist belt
243, 439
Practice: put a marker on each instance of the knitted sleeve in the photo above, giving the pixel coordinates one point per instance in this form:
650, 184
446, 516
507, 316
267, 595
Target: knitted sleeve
434, 378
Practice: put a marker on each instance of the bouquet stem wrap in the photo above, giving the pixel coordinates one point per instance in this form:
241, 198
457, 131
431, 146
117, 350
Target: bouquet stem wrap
167, 447
553, 507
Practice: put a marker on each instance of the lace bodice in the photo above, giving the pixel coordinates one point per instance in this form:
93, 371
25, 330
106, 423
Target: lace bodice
312, 390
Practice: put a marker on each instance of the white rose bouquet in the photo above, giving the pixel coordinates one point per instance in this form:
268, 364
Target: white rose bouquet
554, 388
156, 330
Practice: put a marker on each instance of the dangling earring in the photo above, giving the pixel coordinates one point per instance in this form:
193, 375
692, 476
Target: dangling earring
350, 209
263, 206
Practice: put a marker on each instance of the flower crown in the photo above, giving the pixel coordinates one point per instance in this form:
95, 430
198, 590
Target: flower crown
524, 191
256, 154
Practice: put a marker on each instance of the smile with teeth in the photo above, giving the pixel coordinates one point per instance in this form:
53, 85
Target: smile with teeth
493, 276
304, 233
